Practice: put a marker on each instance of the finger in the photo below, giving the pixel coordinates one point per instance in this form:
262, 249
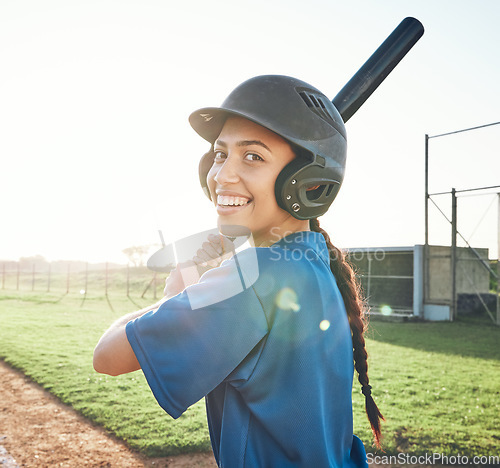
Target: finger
202, 262
199, 261
201, 265
201, 253
215, 238
227, 245
216, 241
206, 259
213, 250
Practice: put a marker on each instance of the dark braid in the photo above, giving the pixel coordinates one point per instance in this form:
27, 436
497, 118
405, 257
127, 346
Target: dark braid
355, 307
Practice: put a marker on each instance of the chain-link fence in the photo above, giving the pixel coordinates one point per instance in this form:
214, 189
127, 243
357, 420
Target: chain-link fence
91, 280
387, 278
462, 277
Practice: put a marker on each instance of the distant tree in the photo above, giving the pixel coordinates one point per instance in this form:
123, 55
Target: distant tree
26, 263
136, 254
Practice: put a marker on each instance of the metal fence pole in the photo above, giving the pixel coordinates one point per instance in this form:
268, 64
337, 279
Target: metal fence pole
369, 274
128, 280
106, 279
86, 277
498, 263
18, 271
48, 279
154, 289
454, 312
67, 278
426, 240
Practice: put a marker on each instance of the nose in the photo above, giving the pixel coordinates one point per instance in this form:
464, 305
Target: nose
227, 172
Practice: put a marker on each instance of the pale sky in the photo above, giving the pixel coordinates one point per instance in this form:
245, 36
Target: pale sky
97, 153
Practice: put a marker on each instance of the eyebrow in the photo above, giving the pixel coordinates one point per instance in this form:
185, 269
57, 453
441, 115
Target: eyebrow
245, 143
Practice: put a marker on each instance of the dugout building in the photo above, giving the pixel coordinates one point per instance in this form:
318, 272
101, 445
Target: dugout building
395, 282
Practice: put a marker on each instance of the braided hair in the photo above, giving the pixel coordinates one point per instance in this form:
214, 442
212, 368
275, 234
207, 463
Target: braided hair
355, 307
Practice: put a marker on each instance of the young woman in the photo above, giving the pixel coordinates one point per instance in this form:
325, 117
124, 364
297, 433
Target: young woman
270, 337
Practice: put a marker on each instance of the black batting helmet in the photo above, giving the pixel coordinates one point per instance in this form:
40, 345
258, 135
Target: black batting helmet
303, 116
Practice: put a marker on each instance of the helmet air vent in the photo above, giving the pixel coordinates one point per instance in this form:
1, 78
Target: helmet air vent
329, 190
306, 99
316, 104
325, 110
319, 191
315, 193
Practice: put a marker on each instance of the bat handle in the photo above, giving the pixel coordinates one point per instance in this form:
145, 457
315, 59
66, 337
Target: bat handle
359, 88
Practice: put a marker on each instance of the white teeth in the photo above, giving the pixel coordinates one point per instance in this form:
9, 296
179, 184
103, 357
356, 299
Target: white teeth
227, 200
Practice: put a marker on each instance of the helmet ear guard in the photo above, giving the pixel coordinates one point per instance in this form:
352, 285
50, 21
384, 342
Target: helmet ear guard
304, 189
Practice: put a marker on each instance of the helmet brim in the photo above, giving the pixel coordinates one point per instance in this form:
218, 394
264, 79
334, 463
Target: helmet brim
208, 122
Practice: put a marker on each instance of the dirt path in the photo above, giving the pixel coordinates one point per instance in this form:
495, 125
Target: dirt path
37, 430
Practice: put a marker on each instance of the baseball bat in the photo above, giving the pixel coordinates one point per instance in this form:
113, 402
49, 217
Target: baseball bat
367, 79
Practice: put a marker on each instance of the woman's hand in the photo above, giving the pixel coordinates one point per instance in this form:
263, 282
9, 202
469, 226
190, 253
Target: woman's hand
212, 253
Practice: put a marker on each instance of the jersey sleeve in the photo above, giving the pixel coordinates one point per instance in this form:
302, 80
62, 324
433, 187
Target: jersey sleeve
193, 341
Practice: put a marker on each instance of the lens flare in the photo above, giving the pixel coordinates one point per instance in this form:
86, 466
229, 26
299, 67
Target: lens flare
386, 310
324, 325
286, 299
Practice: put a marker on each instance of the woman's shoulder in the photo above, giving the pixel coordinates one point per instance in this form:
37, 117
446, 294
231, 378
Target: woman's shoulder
296, 259
299, 247
293, 256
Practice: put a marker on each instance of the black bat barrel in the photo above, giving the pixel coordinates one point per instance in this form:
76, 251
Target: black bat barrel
359, 88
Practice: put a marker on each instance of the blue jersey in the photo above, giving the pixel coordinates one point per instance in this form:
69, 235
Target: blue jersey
272, 354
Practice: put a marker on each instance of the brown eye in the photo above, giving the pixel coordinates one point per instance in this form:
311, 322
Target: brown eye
253, 157
219, 156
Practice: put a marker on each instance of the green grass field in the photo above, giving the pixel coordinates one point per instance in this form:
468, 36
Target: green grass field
437, 384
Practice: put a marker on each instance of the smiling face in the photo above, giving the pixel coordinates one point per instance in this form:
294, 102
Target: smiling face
248, 159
